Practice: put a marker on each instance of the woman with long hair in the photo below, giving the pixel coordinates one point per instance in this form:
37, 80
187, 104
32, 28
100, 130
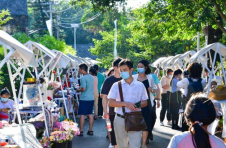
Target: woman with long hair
199, 114
148, 112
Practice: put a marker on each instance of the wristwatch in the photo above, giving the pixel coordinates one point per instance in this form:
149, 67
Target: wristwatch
157, 99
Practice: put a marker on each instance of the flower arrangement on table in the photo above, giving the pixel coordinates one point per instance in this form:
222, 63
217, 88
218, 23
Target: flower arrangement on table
53, 85
40, 128
62, 135
67, 125
45, 142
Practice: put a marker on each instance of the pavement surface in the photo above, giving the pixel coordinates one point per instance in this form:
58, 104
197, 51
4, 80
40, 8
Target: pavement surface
162, 135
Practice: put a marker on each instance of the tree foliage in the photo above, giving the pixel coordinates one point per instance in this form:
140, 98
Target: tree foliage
99, 5
4, 17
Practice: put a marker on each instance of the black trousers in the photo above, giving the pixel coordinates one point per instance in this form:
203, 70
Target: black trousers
165, 108
175, 102
112, 133
100, 106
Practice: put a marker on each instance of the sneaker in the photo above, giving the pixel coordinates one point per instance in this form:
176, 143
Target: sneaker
110, 146
169, 123
161, 124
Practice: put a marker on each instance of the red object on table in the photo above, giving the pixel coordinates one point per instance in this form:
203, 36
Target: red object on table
4, 143
2, 116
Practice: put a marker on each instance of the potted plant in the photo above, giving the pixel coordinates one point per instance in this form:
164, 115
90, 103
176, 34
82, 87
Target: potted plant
70, 127
45, 142
59, 139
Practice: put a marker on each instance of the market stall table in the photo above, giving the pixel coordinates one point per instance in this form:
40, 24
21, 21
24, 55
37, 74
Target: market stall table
23, 135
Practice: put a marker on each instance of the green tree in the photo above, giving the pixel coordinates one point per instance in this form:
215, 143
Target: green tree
46, 40
99, 5
4, 17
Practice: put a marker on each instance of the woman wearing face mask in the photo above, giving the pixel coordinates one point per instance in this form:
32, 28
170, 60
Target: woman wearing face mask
199, 114
6, 104
149, 112
175, 98
165, 83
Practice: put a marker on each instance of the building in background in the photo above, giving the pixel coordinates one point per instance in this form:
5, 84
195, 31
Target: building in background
18, 11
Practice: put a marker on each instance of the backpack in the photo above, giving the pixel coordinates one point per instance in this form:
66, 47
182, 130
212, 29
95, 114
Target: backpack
194, 87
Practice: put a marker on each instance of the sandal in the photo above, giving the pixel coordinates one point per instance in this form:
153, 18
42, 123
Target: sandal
90, 133
81, 134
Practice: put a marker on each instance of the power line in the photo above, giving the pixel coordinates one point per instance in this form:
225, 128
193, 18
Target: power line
62, 10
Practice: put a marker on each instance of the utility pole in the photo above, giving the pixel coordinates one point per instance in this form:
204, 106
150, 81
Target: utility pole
58, 29
50, 16
75, 26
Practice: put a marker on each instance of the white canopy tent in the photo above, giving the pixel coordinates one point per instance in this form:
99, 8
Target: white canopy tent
184, 59
158, 62
164, 65
80, 60
218, 48
16, 54
170, 63
47, 60
43, 55
93, 62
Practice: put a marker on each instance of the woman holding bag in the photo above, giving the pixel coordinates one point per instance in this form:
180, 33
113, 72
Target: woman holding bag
148, 112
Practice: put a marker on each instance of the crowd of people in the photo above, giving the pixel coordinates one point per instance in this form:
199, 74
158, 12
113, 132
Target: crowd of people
124, 93
129, 101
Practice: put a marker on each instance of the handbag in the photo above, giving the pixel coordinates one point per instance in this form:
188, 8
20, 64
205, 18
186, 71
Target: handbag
181, 115
134, 121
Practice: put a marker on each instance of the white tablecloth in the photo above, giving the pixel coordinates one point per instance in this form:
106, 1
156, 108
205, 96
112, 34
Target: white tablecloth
24, 135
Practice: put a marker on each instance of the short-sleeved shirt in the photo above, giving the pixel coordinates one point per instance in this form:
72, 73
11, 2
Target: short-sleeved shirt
101, 79
132, 93
183, 84
184, 140
10, 104
165, 81
156, 79
174, 85
106, 89
87, 82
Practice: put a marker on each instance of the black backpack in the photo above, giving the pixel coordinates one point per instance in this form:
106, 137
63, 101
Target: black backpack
194, 87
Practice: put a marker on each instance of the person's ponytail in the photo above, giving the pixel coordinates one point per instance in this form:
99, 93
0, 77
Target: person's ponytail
200, 137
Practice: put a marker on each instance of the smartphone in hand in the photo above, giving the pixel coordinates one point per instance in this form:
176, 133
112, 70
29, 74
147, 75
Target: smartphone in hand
138, 104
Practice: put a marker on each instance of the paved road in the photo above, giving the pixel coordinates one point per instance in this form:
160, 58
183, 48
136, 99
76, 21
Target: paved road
162, 136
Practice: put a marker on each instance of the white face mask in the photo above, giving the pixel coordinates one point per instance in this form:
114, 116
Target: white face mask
170, 76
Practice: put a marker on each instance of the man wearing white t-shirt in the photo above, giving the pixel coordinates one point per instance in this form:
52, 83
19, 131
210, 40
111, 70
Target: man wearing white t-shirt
133, 92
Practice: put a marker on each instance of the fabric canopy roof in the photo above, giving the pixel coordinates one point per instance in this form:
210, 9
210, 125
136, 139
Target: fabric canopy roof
158, 61
206, 49
64, 60
171, 61
39, 47
21, 51
164, 62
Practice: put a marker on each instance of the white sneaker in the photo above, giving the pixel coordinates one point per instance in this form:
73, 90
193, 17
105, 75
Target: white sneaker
110, 146
161, 124
169, 123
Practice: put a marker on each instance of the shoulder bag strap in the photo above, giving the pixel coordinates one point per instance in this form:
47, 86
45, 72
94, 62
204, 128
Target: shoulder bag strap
121, 95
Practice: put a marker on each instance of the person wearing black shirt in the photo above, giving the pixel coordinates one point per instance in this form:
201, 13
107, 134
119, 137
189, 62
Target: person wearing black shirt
104, 93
